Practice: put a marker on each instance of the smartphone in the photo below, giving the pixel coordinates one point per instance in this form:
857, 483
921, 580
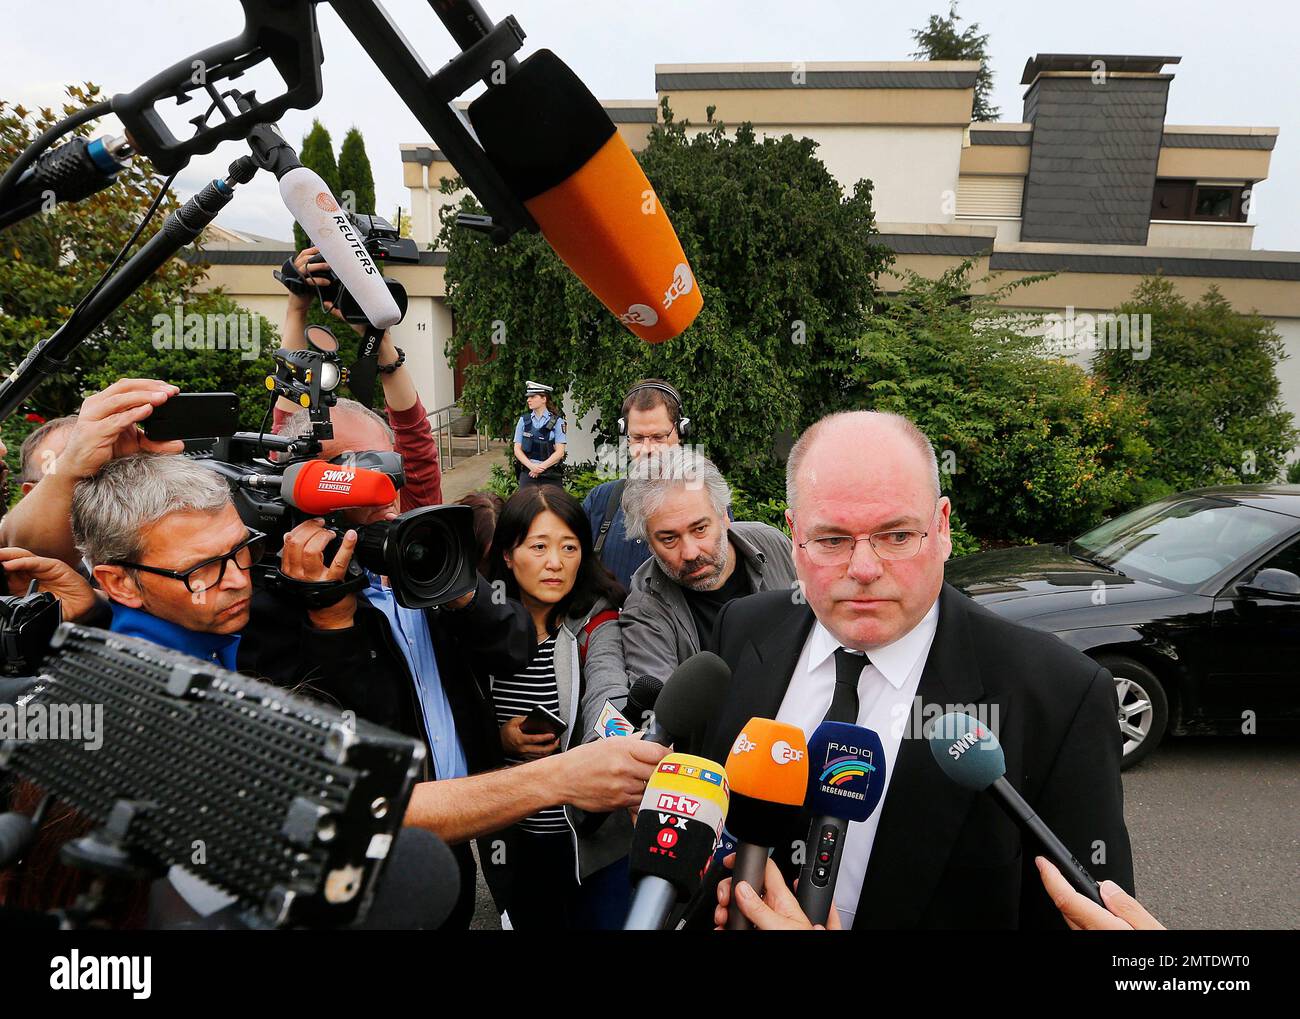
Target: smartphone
541, 720
193, 416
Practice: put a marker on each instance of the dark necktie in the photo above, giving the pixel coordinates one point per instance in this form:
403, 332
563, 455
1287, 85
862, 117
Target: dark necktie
848, 669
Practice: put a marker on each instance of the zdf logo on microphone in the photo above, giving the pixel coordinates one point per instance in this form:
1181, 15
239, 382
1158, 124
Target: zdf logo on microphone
683, 283
743, 744
783, 753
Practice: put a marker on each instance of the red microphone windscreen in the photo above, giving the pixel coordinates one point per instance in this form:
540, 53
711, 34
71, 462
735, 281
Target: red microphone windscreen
319, 487
557, 149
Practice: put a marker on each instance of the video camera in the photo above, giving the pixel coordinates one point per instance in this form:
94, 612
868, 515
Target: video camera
428, 554
382, 240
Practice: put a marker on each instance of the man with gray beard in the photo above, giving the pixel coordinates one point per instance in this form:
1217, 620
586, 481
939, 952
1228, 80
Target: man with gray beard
676, 501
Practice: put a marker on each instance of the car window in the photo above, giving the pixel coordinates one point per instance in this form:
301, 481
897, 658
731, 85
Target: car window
1183, 542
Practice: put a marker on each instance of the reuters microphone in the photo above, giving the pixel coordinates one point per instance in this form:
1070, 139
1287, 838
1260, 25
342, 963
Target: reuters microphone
677, 825
768, 771
558, 151
846, 777
969, 753
318, 487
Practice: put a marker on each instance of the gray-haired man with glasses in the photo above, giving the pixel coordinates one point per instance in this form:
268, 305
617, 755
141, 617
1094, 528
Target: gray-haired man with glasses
167, 546
875, 635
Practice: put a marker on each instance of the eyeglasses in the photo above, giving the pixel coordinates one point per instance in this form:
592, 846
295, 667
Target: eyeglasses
208, 574
653, 439
838, 549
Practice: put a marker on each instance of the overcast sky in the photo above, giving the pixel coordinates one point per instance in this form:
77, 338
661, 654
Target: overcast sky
1239, 63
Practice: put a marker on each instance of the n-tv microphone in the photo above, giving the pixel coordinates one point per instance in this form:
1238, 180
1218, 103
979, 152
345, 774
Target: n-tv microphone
678, 822
768, 770
969, 753
846, 776
560, 154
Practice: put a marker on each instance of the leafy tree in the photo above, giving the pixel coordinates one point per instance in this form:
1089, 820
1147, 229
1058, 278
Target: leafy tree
317, 152
1211, 387
355, 175
1030, 447
940, 40
49, 261
786, 263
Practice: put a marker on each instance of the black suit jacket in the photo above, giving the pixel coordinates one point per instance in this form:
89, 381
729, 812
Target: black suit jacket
944, 857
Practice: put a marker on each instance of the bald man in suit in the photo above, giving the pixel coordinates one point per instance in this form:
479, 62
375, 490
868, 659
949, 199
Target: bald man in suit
876, 638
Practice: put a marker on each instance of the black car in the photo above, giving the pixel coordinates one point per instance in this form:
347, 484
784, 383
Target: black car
1192, 603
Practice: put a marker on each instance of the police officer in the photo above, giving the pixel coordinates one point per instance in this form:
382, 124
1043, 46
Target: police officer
539, 439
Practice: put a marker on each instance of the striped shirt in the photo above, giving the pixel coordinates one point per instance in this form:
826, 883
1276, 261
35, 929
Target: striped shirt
517, 695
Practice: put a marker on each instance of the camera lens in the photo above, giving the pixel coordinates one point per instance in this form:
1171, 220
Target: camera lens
427, 554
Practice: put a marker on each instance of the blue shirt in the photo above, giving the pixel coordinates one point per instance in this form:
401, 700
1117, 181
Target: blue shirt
411, 630
621, 554
537, 423
212, 647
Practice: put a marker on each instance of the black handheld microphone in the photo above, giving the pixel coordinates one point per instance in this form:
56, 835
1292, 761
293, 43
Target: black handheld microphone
846, 777
689, 698
641, 699
969, 754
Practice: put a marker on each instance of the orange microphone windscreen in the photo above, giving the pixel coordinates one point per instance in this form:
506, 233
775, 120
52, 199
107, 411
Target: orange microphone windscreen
559, 152
769, 761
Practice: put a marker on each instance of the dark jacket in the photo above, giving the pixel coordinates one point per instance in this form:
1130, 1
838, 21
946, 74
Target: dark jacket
945, 857
361, 669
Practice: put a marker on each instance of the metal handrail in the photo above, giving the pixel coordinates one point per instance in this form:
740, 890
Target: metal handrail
439, 426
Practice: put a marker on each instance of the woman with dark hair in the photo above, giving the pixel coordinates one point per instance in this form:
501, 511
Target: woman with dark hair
558, 869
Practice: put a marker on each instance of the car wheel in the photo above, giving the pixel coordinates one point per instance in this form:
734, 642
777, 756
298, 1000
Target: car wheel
1143, 707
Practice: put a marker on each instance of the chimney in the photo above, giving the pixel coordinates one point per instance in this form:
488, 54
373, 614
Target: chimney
1098, 120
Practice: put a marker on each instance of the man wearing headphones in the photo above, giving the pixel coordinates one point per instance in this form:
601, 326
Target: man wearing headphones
651, 419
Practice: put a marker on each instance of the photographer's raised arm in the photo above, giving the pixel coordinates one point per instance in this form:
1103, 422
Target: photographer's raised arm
600, 777
107, 428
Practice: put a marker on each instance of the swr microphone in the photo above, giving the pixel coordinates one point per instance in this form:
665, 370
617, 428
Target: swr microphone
846, 776
768, 771
558, 151
318, 487
969, 753
677, 825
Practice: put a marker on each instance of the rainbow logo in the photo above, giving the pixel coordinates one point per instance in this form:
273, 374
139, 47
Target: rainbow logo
843, 770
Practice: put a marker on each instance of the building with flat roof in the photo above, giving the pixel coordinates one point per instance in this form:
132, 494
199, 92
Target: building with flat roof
1091, 184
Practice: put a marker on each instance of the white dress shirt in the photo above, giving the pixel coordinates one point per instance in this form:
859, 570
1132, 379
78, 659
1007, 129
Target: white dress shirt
885, 692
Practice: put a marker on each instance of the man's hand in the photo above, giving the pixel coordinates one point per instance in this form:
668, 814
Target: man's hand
107, 427
777, 910
52, 575
527, 745
1082, 914
302, 558
605, 775
534, 471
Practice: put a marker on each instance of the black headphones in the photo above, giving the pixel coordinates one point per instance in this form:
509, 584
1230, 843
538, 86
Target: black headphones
682, 424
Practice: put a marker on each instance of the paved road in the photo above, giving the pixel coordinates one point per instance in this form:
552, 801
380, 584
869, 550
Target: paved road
1215, 825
